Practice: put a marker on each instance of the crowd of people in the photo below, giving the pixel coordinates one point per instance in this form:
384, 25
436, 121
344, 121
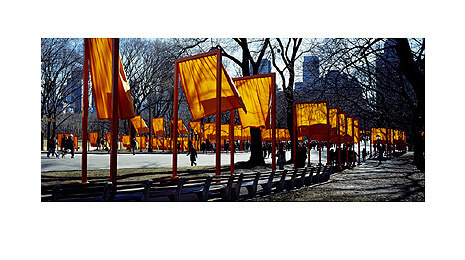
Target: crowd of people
67, 146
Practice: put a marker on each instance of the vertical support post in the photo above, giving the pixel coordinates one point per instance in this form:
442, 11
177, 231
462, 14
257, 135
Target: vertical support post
371, 154
218, 112
347, 153
231, 140
365, 141
339, 142
140, 124
85, 111
174, 136
150, 130
328, 143
114, 109
294, 142
353, 142
130, 131
319, 152
189, 135
308, 148
273, 122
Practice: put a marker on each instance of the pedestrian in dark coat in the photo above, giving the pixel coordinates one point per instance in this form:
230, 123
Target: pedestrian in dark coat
51, 146
193, 153
70, 145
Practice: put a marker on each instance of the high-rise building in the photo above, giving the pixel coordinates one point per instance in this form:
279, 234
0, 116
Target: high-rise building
264, 68
310, 71
74, 91
390, 83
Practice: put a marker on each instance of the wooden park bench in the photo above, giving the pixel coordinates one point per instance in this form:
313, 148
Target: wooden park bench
81, 192
279, 181
300, 178
163, 189
309, 178
246, 180
204, 188
127, 190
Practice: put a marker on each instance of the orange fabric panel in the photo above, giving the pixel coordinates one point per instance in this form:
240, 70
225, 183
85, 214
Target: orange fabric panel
75, 139
142, 142
59, 136
256, 94
158, 143
312, 118
158, 127
382, 132
100, 58
396, 135
350, 122
139, 124
342, 124
311, 114
266, 134
282, 135
209, 130
93, 138
182, 130
196, 126
356, 131
245, 133
198, 78
185, 144
108, 138
224, 131
237, 132
126, 141
333, 117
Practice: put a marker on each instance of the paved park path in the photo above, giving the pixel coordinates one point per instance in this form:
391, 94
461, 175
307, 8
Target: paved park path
145, 160
392, 180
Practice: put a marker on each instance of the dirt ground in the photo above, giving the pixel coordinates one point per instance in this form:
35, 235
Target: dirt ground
392, 180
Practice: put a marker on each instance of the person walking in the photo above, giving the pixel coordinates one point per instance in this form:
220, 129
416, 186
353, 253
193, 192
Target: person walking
71, 145
51, 146
98, 142
102, 141
64, 141
281, 158
193, 153
133, 145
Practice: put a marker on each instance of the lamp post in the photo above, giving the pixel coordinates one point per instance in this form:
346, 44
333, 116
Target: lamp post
379, 148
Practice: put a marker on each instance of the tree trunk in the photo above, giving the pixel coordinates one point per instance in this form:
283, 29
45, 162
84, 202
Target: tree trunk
48, 129
416, 78
290, 119
256, 151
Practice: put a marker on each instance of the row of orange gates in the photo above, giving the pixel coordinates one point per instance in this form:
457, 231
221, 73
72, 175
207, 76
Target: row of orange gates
319, 122
160, 140
209, 91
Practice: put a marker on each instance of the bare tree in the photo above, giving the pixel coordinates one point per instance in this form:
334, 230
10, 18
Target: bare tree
285, 54
61, 60
380, 81
253, 51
